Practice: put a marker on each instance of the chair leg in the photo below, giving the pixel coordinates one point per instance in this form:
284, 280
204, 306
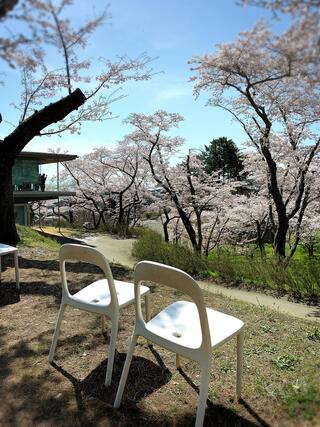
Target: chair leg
16, 266
103, 323
125, 371
56, 332
147, 310
178, 361
112, 349
202, 401
240, 338
147, 306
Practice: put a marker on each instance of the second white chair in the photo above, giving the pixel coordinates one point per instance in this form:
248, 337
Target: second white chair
187, 328
105, 297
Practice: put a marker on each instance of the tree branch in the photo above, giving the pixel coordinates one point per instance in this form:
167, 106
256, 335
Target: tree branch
12, 145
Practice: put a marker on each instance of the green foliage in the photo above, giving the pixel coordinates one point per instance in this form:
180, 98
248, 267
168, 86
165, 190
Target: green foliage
314, 336
33, 239
286, 362
151, 246
222, 154
302, 399
300, 277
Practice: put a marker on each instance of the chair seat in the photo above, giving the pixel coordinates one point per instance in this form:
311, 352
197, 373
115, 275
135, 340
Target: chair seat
98, 294
180, 323
6, 249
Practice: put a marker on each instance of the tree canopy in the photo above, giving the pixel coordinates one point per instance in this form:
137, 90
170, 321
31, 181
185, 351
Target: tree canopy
51, 102
223, 156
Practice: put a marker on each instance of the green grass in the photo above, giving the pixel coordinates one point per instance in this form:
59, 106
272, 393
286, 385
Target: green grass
301, 399
151, 246
301, 253
300, 278
32, 239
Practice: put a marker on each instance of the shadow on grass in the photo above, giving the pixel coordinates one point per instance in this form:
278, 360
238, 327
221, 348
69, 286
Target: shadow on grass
118, 270
61, 238
218, 415
145, 377
9, 294
315, 312
43, 396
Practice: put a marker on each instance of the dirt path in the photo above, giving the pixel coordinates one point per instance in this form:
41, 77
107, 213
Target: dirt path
282, 305
116, 250
119, 251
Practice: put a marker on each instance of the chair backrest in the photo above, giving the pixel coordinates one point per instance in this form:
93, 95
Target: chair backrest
82, 253
173, 278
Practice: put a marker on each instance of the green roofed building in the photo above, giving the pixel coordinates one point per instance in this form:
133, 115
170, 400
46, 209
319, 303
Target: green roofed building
29, 184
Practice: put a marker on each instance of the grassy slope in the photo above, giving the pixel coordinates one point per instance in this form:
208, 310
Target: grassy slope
32, 239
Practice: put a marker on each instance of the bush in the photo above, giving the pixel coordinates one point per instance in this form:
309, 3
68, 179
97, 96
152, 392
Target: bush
300, 277
151, 246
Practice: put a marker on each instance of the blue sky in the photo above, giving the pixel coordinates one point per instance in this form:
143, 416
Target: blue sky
171, 31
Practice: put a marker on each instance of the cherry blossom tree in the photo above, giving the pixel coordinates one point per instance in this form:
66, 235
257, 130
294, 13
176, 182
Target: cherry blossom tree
270, 84
293, 7
193, 193
160, 206
309, 230
111, 184
9, 44
50, 102
6, 6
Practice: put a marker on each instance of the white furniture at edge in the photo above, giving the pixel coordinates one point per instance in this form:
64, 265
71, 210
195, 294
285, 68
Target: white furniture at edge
187, 328
104, 297
7, 250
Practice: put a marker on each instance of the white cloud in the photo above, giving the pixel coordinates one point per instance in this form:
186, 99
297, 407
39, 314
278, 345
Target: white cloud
173, 93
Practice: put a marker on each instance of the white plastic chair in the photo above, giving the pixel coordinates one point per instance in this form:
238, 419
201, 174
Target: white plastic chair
187, 328
104, 297
6, 250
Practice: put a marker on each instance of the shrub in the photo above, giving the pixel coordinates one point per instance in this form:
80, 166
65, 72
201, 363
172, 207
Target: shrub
150, 246
300, 277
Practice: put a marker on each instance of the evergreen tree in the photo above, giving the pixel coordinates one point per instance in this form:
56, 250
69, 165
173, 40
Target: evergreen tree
222, 155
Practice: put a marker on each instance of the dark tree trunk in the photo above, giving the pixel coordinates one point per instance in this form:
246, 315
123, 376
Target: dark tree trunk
280, 237
260, 241
71, 216
165, 232
165, 227
279, 244
94, 220
310, 249
121, 216
8, 231
189, 229
6, 6
14, 143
